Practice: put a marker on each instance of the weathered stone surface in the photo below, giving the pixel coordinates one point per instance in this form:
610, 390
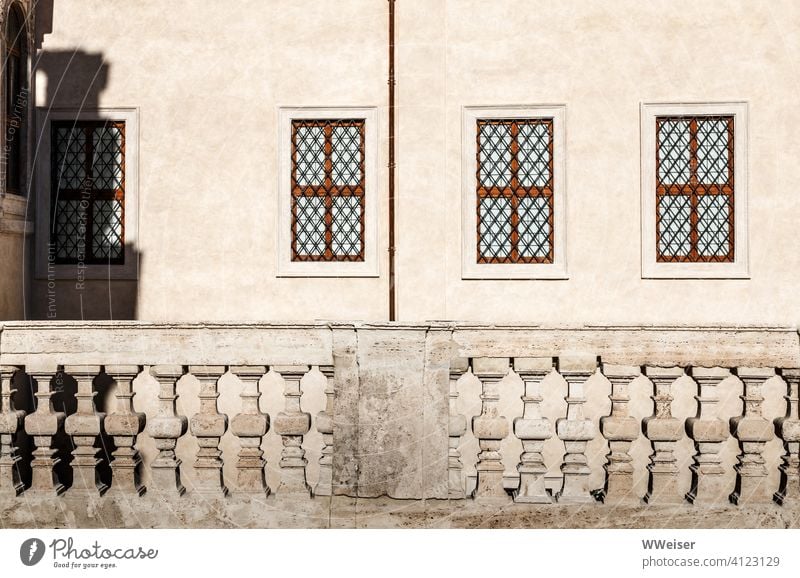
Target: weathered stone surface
440, 351
345, 413
643, 345
392, 414
136, 342
393, 404
344, 512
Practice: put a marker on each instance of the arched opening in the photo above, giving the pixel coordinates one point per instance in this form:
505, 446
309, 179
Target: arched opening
15, 87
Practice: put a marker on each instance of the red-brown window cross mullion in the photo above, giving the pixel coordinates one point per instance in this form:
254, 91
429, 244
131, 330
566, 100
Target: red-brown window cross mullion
514, 255
328, 195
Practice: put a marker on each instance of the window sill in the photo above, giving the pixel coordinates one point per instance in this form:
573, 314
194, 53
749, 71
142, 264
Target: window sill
327, 269
695, 271
514, 271
81, 273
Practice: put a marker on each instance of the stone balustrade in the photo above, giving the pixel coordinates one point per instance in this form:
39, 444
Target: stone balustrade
517, 416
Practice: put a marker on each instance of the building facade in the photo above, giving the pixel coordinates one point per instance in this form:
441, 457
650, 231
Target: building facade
418, 210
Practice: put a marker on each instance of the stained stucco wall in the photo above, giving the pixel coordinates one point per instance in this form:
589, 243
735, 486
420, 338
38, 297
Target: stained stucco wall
208, 77
12, 301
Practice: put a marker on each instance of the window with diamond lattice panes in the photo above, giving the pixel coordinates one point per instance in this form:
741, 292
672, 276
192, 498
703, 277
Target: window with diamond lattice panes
515, 191
695, 189
88, 192
328, 190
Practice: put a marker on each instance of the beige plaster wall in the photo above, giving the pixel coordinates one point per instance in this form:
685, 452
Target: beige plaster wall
208, 78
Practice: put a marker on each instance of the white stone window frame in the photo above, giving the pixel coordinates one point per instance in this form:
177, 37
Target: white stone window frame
470, 268
369, 267
739, 268
45, 270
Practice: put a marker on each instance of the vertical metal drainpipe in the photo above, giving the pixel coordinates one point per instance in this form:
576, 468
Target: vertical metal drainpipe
392, 308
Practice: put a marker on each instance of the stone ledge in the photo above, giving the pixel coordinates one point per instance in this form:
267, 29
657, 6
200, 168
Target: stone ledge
151, 511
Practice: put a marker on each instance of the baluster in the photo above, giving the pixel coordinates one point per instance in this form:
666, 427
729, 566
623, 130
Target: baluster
250, 426
208, 426
621, 430
457, 427
43, 424
292, 424
533, 430
10, 423
788, 428
84, 426
663, 431
325, 427
165, 429
753, 431
125, 425
575, 430
490, 428
708, 432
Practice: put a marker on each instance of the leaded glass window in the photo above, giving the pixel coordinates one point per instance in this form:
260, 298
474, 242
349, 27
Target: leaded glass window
328, 190
695, 189
515, 190
88, 192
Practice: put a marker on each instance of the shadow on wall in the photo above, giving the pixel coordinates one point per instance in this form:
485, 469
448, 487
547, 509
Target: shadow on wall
75, 80
96, 298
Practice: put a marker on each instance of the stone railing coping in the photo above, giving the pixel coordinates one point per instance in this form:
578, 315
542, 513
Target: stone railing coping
42, 345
